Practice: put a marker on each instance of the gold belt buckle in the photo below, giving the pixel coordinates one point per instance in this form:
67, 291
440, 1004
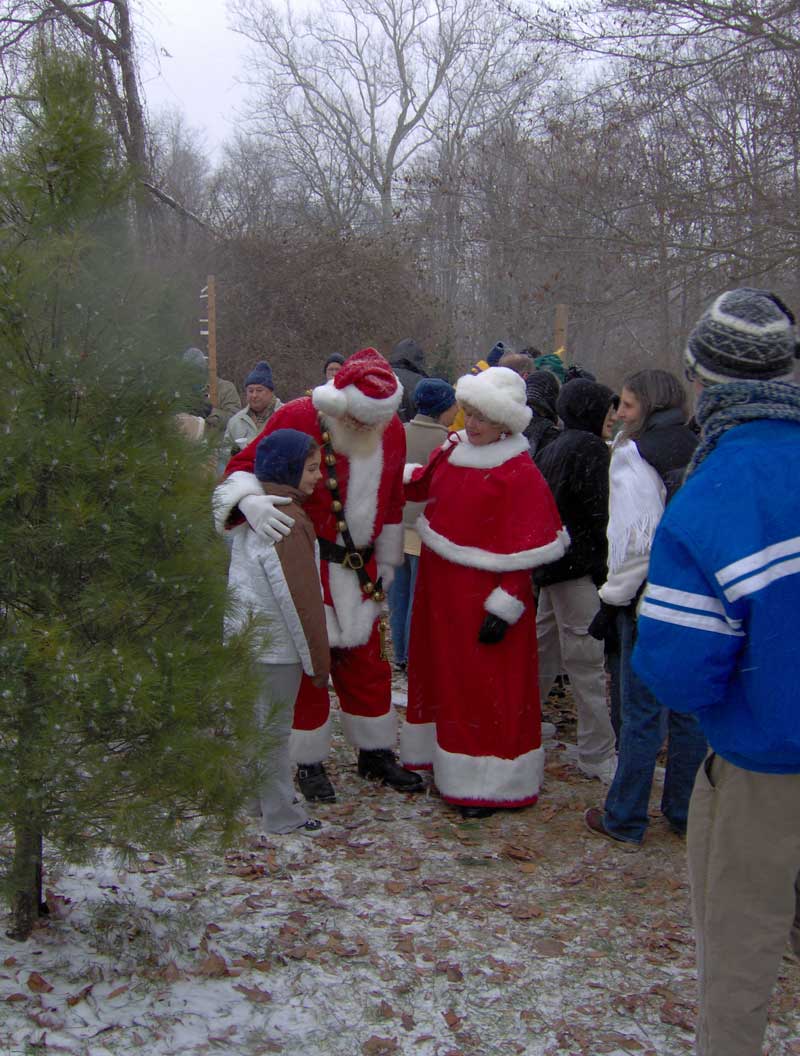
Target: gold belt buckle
353, 561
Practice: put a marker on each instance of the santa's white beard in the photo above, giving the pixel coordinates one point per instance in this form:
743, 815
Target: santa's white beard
358, 443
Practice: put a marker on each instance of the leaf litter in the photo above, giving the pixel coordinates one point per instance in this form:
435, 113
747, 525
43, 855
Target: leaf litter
399, 929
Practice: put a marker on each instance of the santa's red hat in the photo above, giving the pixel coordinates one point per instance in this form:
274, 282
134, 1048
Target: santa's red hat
366, 387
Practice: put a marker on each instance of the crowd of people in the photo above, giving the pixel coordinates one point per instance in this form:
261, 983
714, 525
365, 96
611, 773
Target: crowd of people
529, 523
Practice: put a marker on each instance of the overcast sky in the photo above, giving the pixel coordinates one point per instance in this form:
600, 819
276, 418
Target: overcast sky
190, 59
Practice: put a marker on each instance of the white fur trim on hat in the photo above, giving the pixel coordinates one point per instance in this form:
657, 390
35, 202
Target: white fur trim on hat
499, 394
351, 400
329, 400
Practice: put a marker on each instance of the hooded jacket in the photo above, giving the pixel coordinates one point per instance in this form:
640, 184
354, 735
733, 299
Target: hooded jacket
280, 583
407, 361
575, 465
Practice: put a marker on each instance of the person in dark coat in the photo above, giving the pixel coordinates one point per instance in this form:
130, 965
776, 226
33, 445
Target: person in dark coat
541, 393
575, 465
408, 362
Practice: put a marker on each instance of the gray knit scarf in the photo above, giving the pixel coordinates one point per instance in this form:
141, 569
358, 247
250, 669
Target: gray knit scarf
721, 407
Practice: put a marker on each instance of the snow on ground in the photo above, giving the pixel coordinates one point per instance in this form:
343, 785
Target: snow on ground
400, 929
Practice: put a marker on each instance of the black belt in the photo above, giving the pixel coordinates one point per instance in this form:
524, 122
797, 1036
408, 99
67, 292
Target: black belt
353, 558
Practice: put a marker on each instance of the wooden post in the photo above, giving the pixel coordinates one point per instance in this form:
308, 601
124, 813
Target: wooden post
208, 294
560, 335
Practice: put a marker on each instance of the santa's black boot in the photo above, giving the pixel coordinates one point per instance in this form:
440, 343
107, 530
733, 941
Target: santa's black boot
381, 765
314, 783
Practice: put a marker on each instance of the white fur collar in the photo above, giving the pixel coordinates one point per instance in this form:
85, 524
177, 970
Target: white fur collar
489, 455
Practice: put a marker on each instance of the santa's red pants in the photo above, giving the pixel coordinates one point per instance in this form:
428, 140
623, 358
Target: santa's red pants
362, 681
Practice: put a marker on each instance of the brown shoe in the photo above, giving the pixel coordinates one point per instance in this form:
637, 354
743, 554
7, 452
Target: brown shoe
595, 822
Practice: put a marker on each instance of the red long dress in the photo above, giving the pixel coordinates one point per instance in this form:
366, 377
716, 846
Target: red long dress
473, 709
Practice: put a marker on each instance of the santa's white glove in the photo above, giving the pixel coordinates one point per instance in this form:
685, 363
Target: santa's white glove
264, 515
385, 575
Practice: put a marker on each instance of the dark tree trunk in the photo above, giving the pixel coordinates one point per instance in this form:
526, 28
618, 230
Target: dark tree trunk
26, 879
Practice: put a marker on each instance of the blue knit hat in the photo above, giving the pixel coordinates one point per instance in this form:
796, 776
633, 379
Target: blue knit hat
432, 396
281, 456
496, 354
261, 374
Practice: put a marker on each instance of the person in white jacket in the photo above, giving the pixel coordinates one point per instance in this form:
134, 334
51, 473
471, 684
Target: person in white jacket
280, 584
648, 459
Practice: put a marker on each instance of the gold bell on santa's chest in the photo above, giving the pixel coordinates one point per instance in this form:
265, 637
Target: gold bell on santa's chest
336, 506
330, 460
331, 483
368, 588
341, 526
326, 438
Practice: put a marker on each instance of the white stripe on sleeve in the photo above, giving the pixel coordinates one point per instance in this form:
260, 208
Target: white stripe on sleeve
687, 600
682, 618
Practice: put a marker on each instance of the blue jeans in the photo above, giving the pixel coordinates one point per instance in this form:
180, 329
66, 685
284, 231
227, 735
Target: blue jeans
401, 597
641, 737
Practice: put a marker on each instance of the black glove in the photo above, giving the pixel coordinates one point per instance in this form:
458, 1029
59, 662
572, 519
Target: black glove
492, 629
604, 625
205, 409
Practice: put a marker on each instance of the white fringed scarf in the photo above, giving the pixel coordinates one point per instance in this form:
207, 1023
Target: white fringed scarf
635, 504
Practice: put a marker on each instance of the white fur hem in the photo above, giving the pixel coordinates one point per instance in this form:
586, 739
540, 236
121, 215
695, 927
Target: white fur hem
474, 557
370, 733
310, 746
417, 744
228, 494
389, 545
408, 470
506, 606
488, 778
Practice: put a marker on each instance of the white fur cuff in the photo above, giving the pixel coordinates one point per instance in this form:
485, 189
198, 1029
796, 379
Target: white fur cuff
389, 545
310, 746
408, 470
506, 606
228, 494
369, 733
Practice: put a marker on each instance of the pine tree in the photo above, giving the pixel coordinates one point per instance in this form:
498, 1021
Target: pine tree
123, 716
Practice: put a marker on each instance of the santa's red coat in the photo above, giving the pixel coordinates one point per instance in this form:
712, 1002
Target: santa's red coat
473, 709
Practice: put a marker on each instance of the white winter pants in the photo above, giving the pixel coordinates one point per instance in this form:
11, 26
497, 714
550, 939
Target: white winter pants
564, 613
278, 688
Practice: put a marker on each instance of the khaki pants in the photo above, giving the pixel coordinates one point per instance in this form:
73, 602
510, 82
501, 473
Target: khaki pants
564, 612
744, 867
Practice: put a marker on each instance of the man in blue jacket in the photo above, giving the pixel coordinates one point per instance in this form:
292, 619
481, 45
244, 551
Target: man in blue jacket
717, 637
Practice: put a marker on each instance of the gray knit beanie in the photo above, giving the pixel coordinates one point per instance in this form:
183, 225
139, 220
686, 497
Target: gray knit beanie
745, 334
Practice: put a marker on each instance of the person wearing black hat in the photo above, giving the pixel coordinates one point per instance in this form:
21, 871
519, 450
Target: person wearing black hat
407, 360
228, 402
333, 364
245, 425
575, 465
716, 640
541, 393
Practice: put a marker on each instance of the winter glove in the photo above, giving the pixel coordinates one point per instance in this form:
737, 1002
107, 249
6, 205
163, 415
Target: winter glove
205, 409
492, 630
264, 516
604, 625
386, 576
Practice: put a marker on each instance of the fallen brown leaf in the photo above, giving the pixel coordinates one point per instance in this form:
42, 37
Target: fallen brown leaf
38, 984
213, 966
254, 994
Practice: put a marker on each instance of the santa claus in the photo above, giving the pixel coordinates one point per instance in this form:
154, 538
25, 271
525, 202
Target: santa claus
357, 514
